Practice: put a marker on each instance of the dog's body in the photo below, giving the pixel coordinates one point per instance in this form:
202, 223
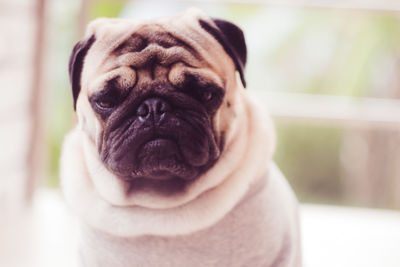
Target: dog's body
177, 172
249, 235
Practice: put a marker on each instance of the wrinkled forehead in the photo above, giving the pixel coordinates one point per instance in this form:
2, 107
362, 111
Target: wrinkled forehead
149, 34
168, 40
154, 44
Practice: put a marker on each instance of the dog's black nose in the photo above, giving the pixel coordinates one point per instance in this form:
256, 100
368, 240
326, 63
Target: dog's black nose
153, 107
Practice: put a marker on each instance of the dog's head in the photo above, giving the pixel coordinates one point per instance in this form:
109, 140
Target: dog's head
157, 97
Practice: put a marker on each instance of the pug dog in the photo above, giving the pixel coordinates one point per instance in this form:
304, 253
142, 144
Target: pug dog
170, 161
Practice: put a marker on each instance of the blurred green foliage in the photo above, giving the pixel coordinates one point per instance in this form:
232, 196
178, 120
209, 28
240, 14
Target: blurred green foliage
106, 8
309, 157
58, 108
360, 42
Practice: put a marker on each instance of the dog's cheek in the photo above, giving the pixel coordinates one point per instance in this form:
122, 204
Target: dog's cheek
226, 118
87, 121
196, 151
220, 130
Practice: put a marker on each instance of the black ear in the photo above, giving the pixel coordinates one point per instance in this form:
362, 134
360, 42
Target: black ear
76, 64
231, 38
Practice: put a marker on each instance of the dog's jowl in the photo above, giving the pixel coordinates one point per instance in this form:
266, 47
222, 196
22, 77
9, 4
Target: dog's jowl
170, 161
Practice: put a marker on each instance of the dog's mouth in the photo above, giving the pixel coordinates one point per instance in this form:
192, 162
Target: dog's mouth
161, 159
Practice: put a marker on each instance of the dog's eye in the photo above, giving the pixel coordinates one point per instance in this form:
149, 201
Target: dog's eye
104, 104
210, 96
207, 95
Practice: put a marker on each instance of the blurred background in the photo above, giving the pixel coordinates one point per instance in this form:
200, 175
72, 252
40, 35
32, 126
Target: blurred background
328, 71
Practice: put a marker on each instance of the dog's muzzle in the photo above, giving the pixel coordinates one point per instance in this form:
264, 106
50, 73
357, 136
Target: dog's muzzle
159, 137
161, 155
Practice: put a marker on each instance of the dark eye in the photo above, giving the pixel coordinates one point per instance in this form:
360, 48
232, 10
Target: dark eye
104, 104
211, 97
207, 96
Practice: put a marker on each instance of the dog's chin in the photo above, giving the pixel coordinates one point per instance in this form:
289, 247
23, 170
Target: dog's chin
166, 187
161, 165
161, 168
161, 159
